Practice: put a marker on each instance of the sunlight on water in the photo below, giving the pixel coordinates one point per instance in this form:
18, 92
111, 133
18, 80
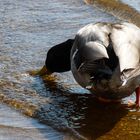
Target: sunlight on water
27, 30
15, 126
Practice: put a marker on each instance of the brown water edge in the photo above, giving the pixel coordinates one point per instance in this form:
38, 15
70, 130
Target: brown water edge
80, 116
118, 9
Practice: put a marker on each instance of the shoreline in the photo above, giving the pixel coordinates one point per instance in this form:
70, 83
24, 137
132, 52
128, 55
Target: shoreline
118, 9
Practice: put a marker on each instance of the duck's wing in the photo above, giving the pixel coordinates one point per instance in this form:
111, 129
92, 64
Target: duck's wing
126, 45
91, 59
96, 69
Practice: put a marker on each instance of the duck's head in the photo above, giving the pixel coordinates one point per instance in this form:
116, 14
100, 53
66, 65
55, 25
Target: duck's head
58, 58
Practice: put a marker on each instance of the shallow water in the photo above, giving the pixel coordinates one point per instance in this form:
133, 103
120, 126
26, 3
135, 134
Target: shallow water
134, 3
27, 30
15, 126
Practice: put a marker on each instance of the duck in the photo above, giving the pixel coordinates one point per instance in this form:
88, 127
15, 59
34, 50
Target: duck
57, 59
103, 58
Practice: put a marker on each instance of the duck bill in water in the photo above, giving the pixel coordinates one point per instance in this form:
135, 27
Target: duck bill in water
43, 71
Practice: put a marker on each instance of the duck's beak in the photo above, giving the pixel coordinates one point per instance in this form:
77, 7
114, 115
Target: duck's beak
42, 72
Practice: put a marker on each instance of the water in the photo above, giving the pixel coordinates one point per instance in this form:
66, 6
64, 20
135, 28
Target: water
134, 3
27, 30
14, 126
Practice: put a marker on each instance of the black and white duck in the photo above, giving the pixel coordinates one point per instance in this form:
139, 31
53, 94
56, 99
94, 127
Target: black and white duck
104, 58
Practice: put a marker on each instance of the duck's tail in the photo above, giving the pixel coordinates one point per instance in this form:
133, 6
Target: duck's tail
130, 75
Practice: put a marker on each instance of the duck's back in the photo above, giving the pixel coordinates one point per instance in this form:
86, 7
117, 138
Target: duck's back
123, 41
82, 53
126, 44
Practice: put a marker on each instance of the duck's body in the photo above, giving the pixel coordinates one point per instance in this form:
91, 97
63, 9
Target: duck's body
105, 58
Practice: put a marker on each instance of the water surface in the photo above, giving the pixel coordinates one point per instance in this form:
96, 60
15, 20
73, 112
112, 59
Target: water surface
27, 30
15, 126
134, 3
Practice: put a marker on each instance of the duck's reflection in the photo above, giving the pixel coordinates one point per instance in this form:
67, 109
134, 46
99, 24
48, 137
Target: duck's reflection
80, 112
